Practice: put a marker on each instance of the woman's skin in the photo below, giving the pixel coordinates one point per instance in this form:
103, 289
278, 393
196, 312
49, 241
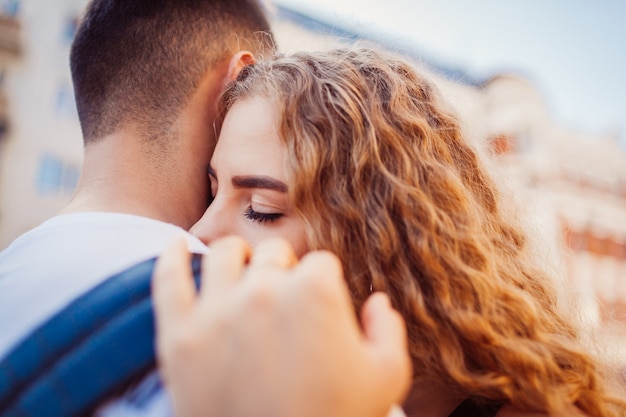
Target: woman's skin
248, 183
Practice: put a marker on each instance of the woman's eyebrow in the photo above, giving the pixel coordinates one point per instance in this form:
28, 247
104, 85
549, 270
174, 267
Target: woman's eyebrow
259, 181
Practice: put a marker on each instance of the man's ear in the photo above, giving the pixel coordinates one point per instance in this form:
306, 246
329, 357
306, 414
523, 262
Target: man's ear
240, 60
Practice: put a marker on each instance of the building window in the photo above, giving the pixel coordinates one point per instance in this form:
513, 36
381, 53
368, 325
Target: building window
617, 249
574, 239
502, 144
65, 106
56, 176
4, 109
10, 42
9, 8
69, 29
597, 245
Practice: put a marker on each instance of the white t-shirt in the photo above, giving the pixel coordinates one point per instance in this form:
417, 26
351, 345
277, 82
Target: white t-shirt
49, 266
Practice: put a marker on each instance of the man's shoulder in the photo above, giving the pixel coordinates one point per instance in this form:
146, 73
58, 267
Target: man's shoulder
46, 268
78, 350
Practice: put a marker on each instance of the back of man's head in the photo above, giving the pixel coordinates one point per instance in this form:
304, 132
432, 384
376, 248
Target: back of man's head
138, 62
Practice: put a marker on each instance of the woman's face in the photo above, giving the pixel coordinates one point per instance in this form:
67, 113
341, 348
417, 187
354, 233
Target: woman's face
248, 185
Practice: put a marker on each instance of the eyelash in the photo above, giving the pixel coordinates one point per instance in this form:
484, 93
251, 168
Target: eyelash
261, 218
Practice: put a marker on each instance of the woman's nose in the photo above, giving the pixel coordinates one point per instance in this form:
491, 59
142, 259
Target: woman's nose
212, 225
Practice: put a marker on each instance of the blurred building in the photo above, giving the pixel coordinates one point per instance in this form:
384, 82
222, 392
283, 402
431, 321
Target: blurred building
40, 141
574, 185
569, 186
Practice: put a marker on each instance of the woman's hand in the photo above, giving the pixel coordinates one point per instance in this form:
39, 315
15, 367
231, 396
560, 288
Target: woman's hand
270, 336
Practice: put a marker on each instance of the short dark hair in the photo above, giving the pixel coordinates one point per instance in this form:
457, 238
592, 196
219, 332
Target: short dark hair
141, 60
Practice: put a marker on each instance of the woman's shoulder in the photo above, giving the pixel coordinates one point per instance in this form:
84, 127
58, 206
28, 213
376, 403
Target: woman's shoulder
511, 411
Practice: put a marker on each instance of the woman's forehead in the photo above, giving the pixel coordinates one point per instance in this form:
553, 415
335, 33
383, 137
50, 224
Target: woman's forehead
249, 136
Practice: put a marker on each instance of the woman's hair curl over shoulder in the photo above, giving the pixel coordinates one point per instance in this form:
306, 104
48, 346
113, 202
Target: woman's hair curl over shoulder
382, 176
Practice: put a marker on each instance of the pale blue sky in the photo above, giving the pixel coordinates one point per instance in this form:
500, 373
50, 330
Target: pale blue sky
574, 51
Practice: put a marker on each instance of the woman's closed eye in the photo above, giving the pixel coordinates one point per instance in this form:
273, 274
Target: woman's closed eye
262, 217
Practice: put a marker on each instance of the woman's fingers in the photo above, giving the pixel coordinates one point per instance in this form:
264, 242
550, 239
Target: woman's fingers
275, 253
222, 267
385, 332
265, 308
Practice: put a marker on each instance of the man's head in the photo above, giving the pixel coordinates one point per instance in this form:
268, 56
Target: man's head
137, 63
147, 75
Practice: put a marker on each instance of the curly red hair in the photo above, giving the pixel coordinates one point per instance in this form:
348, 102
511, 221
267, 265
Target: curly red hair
382, 175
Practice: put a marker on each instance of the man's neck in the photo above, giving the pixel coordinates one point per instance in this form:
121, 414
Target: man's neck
119, 176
